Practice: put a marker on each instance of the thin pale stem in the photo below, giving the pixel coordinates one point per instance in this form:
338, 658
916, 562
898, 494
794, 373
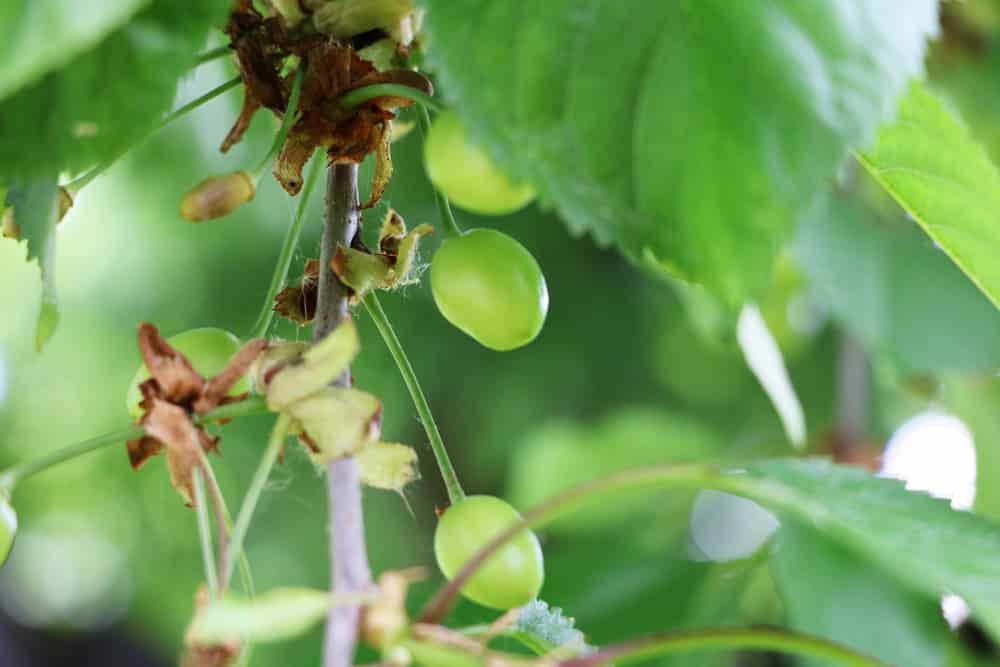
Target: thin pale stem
361, 95
349, 571
451, 483
239, 532
75, 186
205, 531
451, 227
12, 476
758, 639
218, 508
288, 246
287, 121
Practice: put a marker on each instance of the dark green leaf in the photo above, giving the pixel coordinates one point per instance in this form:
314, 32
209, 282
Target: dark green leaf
41, 36
943, 178
830, 592
690, 134
106, 99
36, 212
918, 540
895, 291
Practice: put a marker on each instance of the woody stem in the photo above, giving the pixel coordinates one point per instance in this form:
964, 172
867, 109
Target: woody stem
349, 571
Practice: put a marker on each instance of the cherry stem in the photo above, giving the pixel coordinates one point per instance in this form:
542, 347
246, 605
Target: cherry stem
761, 639
274, 444
12, 476
451, 227
381, 320
212, 54
289, 119
288, 247
353, 98
76, 185
218, 508
205, 531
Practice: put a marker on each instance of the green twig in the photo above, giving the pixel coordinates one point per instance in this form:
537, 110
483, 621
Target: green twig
18, 473
451, 483
212, 54
759, 639
75, 186
274, 445
287, 121
451, 227
205, 532
361, 95
287, 251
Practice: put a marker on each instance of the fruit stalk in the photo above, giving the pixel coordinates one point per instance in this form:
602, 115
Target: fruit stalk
349, 571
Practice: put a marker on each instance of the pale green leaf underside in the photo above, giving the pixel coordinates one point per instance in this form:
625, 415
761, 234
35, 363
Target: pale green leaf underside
41, 35
690, 132
893, 289
930, 164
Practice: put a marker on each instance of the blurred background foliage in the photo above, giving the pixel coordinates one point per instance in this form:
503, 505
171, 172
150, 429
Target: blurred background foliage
630, 369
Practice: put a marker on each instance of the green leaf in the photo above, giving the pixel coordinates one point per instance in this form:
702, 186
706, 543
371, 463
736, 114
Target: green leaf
106, 99
621, 440
918, 540
41, 36
830, 592
279, 614
895, 291
631, 590
690, 134
36, 212
930, 164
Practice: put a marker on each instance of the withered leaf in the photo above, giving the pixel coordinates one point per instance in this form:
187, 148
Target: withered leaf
388, 465
338, 421
216, 389
173, 428
393, 267
318, 366
298, 302
176, 378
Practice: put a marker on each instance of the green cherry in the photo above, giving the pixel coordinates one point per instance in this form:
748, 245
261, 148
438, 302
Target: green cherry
509, 578
489, 286
462, 171
8, 528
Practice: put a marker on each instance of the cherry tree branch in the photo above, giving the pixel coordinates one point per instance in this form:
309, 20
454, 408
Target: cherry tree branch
349, 571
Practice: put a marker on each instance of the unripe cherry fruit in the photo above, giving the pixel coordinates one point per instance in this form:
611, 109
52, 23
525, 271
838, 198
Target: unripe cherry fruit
465, 173
489, 286
8, 528
509, 578
208, 349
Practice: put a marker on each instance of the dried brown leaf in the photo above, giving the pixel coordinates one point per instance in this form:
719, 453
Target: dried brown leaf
178, 381
216, 388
